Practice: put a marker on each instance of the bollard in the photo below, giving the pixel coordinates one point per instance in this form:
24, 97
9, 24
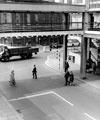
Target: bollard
57, 54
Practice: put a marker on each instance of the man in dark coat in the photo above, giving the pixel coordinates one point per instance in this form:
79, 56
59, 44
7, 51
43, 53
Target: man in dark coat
34, 71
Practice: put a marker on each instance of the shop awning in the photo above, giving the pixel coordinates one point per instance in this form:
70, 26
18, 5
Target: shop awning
51, 33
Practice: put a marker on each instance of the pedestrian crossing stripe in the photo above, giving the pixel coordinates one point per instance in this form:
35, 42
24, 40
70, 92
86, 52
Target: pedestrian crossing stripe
40, 94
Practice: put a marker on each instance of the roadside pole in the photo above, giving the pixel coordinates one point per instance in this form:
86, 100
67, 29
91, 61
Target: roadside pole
65, 51
59, 59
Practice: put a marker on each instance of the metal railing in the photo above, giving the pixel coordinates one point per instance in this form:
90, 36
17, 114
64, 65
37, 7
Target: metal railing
93, 25
21, 27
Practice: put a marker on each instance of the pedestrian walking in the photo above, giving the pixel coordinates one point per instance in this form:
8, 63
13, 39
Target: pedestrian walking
12, 78
34, 72
66, 77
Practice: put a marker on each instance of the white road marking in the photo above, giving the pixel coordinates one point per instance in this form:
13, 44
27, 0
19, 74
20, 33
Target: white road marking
40, 94
63, 98
46, 93
30, 96
89, 116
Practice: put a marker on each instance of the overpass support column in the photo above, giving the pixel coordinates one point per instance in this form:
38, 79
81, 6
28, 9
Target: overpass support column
65, 40
83, 58
88, 47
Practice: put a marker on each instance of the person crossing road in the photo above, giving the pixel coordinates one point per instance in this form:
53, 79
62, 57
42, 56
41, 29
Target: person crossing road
12, 79
34, 72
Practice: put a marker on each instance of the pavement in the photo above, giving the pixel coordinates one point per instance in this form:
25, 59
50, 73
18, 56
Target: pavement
56, 63
7, 112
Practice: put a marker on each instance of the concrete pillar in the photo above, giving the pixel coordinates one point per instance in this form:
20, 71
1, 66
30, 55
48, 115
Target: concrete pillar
83, 58
88, 47
65, 37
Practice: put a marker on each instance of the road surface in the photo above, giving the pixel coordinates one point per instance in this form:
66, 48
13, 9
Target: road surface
47, 98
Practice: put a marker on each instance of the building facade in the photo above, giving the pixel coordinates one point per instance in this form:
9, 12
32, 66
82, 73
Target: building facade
91, 40
18, 17
41, 22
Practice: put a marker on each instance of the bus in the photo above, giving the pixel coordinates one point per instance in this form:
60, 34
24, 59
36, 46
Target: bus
74, 41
